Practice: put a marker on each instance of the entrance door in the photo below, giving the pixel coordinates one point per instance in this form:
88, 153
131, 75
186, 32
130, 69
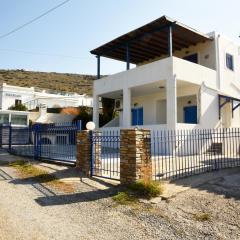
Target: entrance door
137, 116
190, 114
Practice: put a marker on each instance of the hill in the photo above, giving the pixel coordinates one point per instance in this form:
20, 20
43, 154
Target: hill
65, 82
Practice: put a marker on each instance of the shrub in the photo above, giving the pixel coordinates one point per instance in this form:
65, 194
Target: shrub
202, 217
19, 107
124, 198
146, 189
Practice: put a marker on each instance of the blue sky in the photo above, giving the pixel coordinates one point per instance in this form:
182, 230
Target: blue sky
82, 25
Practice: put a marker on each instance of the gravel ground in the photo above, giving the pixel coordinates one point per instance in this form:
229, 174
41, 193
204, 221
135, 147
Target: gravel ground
30, 210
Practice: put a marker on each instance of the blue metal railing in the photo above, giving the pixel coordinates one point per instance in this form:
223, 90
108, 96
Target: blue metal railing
42, 141
105, 157
181, 153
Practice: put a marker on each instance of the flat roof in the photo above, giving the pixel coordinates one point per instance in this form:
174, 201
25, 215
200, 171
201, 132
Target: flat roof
151, 40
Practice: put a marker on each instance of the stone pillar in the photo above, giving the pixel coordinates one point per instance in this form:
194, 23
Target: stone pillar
97, 150
88, 149
84, 152
135, 155
126, 108
171, 91
96, 110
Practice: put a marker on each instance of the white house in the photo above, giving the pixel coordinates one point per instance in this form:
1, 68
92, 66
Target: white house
34, 97
15, 118
183, 79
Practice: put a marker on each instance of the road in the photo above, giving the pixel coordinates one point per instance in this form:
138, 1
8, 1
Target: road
30, 210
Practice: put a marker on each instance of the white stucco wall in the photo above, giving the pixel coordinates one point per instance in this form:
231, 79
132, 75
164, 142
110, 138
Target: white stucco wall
154, 105
229, 80
205, 51
9, 93
212, 72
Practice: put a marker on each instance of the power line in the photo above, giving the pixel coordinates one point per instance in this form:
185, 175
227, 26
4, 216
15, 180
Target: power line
33, 20
45, 54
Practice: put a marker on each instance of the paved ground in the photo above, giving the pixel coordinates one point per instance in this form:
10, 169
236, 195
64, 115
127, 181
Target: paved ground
31, 210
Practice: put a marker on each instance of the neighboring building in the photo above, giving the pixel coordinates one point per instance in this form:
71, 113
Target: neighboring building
183, 79
15, 118
33, 97
23, 118
42, 116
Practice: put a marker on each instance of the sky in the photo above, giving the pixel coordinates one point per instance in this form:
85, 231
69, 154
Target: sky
62, 40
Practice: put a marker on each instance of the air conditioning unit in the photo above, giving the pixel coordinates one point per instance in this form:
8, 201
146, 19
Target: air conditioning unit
118, 104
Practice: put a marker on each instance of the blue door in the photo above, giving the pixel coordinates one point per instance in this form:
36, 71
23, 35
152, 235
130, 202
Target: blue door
137, 116
190, 114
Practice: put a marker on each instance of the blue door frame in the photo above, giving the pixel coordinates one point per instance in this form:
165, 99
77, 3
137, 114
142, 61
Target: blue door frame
190, 114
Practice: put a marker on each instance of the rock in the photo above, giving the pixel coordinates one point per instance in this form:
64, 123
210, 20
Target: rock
141, 200
156, 200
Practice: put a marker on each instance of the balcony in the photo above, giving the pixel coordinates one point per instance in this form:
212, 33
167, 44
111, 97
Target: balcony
156, 72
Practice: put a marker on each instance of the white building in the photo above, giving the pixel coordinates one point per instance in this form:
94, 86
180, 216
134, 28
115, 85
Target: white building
15, 118
183, 79
34, 97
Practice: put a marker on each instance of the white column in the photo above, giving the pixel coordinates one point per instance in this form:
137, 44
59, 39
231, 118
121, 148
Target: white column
171, 92
126, 108
96, 110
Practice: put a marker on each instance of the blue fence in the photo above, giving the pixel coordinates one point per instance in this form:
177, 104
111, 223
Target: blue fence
181, 153
52, 142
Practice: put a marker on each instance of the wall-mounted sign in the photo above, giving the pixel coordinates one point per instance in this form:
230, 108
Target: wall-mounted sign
12, 95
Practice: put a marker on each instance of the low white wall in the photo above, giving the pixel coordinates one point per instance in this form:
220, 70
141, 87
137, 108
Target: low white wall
194, 73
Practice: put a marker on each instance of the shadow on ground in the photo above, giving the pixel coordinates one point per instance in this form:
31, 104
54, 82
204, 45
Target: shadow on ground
225, 182
86, 191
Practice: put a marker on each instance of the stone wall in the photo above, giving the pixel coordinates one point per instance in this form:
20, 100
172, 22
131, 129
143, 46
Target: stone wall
85, 148
135, 156
84, 152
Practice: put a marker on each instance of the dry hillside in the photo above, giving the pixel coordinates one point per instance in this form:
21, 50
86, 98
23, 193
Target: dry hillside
56, 81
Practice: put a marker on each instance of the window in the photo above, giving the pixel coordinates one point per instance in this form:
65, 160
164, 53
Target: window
4, 118
18, 102
229, 61
19, 119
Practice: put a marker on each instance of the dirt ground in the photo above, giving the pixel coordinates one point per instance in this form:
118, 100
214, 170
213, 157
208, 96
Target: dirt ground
31, 210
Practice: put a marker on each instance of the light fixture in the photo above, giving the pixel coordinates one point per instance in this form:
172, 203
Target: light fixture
90, 126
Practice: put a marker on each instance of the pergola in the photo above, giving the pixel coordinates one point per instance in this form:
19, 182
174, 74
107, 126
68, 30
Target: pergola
223, 100
158, 38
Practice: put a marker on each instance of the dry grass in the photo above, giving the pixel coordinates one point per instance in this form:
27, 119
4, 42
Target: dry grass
54, 81
27, 170
202, 217
124, 198
148, 190
137, 190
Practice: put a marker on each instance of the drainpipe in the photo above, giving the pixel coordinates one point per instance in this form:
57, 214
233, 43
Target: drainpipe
218, 62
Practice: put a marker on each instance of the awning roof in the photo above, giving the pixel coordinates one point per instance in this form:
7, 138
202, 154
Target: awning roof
150, 41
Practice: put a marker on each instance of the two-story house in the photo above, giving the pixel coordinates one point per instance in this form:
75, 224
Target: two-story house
183, 79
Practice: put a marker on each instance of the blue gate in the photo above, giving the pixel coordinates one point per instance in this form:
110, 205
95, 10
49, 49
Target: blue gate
50, 142
105, 154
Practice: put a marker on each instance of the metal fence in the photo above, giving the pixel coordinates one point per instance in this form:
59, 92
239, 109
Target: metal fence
105, 159
49, 141
177, 154
174, 154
